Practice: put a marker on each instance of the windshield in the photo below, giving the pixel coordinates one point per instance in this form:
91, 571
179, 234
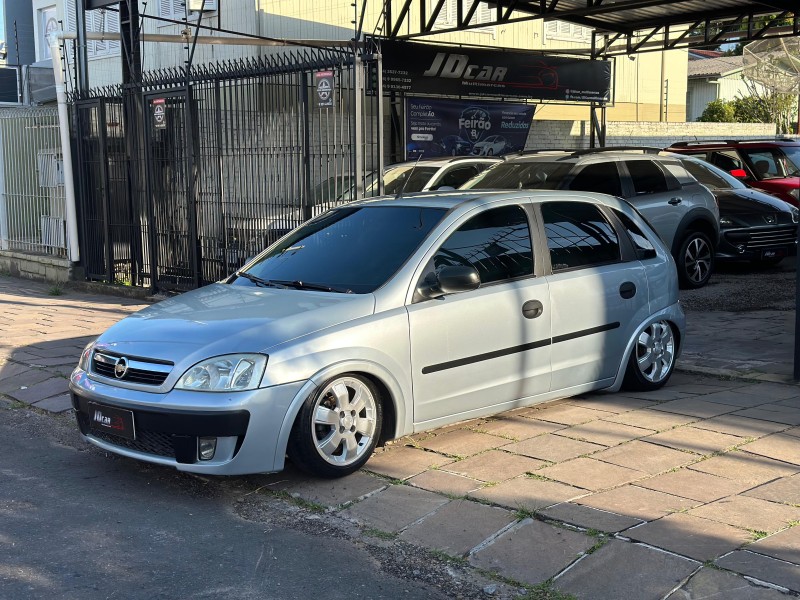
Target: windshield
527, 175
406, 178
711, 176
353, 249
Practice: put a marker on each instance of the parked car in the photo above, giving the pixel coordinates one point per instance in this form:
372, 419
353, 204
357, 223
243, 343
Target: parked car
455, 145
769, 165
423, 175
681, 210
754, 225
383, 318
493, 145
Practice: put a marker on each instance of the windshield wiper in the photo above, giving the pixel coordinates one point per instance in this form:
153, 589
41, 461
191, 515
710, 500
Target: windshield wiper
258, 281
304, 285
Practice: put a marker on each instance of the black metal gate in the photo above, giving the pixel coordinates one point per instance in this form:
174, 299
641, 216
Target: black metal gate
180, 184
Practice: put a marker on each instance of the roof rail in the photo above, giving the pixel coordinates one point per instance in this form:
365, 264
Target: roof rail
777, 138
534, 151
642, 149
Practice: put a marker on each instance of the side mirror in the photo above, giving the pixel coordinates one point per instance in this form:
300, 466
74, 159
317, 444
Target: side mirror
451, 280
738, 173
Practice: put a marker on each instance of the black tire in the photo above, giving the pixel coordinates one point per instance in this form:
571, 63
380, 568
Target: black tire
490, 152
652, 359
695, 260
326, 422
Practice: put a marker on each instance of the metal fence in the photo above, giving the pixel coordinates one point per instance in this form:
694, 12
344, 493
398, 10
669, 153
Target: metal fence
32, 205
179, 184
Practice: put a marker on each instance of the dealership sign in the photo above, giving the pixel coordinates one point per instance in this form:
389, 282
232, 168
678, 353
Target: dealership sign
415, 68
465, 127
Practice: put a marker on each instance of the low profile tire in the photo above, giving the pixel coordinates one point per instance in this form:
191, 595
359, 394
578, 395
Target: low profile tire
337, 427
652, 359
695, 260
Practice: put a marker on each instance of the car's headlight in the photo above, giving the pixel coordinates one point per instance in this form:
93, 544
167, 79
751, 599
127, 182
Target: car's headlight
229, 373
795, 194
83, 362
726, 222
795, 214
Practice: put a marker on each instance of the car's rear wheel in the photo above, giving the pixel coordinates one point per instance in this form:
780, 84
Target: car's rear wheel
337, 427
695, 260
652, 359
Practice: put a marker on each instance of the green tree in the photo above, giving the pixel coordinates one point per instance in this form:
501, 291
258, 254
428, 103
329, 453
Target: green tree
751, 109
718, 111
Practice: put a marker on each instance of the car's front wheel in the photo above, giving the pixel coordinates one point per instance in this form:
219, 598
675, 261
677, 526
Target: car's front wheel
337, 427
652, 358
695, 260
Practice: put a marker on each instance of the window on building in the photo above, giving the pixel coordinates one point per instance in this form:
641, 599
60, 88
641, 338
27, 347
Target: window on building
172, 9
566, 32
448, 15
48, 23
97, 21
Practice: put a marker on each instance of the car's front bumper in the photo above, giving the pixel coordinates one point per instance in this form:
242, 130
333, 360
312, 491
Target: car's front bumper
757, 243
246, 425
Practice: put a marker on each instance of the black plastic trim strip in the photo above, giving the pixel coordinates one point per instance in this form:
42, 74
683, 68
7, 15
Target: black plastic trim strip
461, 362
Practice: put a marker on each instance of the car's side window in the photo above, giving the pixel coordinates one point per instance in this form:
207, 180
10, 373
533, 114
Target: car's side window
457, 176
578, 235
496, 242
764, 163
644, 249
599, 177
647, 178
725, 160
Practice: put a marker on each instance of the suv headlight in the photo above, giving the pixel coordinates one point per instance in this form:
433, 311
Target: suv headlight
83, 362
228, 373
795, 214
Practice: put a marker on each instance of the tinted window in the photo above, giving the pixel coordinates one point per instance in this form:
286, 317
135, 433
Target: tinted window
496, 242
640, 243
524, 175
600, 177
457, 176
408, 178
647, 178
350, 249
578, 235
707, 176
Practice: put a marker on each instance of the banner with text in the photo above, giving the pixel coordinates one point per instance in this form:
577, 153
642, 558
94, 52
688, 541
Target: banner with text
415, 68
463, 127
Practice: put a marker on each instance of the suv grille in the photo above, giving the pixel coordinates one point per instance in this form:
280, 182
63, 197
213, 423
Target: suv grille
138, 370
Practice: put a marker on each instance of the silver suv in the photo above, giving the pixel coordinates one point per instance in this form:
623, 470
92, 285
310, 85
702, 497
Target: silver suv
681, 210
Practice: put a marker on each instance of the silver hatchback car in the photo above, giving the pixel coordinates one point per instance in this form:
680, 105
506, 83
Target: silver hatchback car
383, 318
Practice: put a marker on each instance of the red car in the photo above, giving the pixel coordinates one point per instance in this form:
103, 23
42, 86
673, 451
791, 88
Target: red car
769, 165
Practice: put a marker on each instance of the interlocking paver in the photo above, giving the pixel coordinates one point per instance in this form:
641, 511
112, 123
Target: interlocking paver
48, 388
402, 462
690, 536
695, 407
528, 493
13, 385
613, 403
791, 417
591, 474
552, 447
56, 404
763, 568
460, 442
749, 513
590, 518
630, 571
605, 433
642, 456
777, 446
458, 527
745, 467
637, 502
738, 398
566, 414
733, 424
784, 545
395, 508
532, 552
694, 485
700, 441
445, 483
517, 428
773, 391
495, 466
648, 418
785, 490
715, 584
328, 492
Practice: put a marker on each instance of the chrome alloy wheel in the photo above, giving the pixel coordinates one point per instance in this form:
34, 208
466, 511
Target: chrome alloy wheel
698, 260
344, 421
655, 351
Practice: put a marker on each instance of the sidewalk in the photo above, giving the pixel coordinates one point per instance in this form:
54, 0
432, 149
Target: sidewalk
687, 492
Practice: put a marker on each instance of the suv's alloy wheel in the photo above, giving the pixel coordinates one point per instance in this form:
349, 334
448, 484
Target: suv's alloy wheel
695, 260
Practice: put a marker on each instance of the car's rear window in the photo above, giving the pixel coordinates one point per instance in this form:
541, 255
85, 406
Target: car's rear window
523, 175
353, 249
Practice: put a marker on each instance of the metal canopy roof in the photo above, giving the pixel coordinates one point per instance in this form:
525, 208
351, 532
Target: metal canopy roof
620, 26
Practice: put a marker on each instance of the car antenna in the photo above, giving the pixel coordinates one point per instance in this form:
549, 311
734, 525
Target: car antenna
405, 183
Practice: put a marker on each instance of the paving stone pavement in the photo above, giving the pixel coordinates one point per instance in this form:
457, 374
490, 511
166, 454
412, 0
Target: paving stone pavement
689, 492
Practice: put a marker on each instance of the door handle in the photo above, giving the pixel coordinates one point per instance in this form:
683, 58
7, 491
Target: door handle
627, 290
675, 201
532, 309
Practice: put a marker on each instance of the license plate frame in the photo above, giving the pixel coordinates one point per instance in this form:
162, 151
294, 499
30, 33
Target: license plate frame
111, 420
773, 253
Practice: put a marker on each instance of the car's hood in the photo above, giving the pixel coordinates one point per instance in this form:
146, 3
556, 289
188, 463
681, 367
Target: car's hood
221, 319
749, 201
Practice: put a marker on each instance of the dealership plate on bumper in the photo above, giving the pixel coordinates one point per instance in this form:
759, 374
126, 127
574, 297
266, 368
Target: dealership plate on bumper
113, 421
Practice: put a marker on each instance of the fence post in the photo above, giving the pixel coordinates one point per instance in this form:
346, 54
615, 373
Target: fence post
306, 108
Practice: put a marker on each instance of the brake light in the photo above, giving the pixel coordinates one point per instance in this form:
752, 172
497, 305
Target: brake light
739, 173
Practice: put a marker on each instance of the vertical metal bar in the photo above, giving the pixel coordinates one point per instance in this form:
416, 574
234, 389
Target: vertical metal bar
306, 112
220, 184
378, 66
152, 242
358, 151
191, 206
106, 200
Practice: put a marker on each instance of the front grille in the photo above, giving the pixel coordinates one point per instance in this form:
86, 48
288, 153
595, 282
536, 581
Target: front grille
139, 370
150, 442
764, 238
